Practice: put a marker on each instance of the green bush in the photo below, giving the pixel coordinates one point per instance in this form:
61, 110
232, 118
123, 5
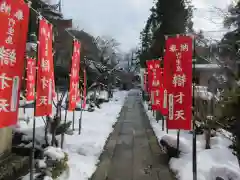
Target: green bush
60, 167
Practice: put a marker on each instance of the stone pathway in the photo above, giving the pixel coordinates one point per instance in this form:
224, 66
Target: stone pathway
132, 151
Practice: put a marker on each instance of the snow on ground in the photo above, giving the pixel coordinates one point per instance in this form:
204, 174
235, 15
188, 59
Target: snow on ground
84, 149
211, 163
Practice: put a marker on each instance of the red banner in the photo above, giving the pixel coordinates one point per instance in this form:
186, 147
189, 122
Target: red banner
74, 78
161, 93
164, 96
156, 95
145, 81
151, 66
30, 81
84, 88
154, 83
54, 94
14, 17
45, 70
179, 68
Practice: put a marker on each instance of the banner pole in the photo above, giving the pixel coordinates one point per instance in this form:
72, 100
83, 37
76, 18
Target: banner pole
83, 99
68, 95
34, 125
73, 120
166, 123
194, 148
33, 149
163, 123
24, 106
32, 160
178, 141
80, 118
65, 121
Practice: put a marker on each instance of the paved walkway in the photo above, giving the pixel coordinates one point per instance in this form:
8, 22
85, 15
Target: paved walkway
132, 151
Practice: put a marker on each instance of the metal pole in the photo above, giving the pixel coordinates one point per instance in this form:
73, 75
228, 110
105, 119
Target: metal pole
83, 99
60, 107
80, 119
24, 106
67, 104
166, 124
34, 128
65, 120
194, 153
25, 84
32, 163
163, 123
73, 120
58, 115
33, 149
178, 142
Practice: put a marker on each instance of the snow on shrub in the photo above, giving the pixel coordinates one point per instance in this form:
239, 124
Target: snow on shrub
47, 178
171, 140
54, 153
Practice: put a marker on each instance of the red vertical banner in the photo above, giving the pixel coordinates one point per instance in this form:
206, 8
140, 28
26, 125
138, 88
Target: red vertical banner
154, 83
54, 94
164, 109
45, 70
30, 80
150, 67
180, 83
145, 81
84, 88
167, 73
74, 77
156, 90
14, 17
161, 92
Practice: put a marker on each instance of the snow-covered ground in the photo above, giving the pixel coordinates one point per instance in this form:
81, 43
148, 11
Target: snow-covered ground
211, 163
84, 149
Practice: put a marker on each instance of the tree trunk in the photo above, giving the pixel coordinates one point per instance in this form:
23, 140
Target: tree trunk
238, 162
207, 133
46, 130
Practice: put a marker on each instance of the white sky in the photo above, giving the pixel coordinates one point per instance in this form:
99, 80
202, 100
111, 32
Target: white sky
124, 19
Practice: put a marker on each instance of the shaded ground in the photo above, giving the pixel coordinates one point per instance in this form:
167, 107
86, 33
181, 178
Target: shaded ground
132, 151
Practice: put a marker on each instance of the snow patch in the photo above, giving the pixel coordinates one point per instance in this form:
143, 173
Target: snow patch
54, 153
218, 161
83, 150
42, 164
47, 178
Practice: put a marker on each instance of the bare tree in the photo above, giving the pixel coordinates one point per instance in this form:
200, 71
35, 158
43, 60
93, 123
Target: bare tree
109, 49
130, 60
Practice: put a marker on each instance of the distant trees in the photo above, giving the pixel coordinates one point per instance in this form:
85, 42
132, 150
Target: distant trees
108, 50
130, 60
229, 52
166, 18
